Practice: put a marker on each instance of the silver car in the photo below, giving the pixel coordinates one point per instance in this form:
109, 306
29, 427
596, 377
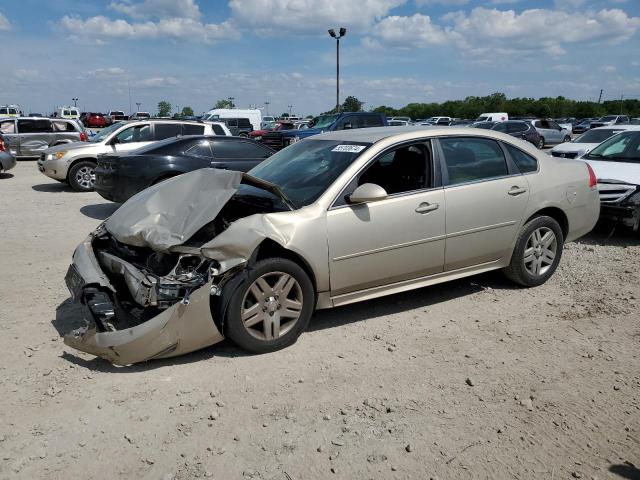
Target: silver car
75, 163
550, 132
28, 137
337, 218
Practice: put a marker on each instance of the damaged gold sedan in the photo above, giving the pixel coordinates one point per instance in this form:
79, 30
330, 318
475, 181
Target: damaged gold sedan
334, 219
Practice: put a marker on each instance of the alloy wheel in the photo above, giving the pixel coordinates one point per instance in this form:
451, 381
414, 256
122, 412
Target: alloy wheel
540, 251
86, 177
272, 306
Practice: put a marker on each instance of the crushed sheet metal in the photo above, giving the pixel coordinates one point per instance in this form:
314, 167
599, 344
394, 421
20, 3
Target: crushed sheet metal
169, 213
179, 329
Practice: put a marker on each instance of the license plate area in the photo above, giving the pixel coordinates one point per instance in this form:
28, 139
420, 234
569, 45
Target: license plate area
74, 282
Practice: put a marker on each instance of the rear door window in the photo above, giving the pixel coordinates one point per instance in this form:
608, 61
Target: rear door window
500, 127
372, 121
232, 122
239, 150
244, 123
218, 130
167, 130
469, 159
34, 126
188, 129
59, 126
516, 127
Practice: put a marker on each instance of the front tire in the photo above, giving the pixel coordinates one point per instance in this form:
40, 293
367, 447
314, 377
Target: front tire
82, 176
541, 143
537, 252
271, 307
566, 139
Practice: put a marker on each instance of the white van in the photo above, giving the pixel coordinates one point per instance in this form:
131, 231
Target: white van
67, 112
493, 117
254, 115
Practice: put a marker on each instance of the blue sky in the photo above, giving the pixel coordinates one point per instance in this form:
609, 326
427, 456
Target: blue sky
194, 52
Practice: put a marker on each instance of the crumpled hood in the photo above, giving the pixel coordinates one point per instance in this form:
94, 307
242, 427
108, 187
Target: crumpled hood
171, 212
620, 171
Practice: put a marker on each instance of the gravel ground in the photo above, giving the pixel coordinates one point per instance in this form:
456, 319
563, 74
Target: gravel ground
470, 379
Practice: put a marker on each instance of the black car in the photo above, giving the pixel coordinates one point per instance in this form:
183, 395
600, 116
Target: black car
519, 129
119, 177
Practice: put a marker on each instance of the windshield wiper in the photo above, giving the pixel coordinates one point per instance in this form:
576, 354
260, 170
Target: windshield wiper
269, 187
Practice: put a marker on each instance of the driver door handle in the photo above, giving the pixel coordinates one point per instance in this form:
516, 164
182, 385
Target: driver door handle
426, 207
515, 190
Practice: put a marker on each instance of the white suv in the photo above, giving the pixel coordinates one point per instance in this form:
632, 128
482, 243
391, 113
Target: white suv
75, 163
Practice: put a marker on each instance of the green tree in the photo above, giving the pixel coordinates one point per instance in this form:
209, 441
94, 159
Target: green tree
284, 115
187, 111
224, 103
351, 104
164, 108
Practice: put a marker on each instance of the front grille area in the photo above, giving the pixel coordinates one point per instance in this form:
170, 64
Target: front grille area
273, 140
612, 193
565, 154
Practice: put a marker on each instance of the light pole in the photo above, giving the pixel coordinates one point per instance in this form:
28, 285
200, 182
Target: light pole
138, 105
266, 108
341, 33
75, 102
231, 99
290, 107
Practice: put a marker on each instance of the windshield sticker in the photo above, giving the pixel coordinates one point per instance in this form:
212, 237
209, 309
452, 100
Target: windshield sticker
349, 148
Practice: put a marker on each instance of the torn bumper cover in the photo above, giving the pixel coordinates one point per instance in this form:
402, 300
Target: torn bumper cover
620, 202
179, 329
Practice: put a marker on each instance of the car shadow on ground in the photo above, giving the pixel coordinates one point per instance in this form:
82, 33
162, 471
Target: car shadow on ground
627, 470
52, 187
6, 176
610, 234
99, 211
70, 316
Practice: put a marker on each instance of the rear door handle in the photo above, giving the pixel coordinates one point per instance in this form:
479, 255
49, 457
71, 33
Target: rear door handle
516, 191
426, 207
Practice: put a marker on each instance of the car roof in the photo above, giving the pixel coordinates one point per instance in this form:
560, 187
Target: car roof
618, 127
375, 134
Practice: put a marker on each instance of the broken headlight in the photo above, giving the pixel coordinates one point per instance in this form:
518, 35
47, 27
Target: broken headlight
191, 272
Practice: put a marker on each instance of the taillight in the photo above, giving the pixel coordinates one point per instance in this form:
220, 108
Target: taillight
593, 181
2, 147
83, 137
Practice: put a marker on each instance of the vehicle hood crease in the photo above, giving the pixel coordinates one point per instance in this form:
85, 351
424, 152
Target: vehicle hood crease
169, 213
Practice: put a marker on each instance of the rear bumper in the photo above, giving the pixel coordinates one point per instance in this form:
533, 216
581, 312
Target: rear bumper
180, 329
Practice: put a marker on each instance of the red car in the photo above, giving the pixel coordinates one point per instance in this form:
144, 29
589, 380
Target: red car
257, 134
94, 120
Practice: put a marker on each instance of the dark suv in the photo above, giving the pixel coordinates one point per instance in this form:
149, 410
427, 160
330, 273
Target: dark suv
519, 129
239, 127
325, 123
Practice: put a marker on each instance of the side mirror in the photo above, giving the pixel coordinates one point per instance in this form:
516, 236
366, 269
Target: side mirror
347, 126
367, 192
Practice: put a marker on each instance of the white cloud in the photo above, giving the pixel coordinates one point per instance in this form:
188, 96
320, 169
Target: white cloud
156, 82
158, 9
101, 27
312, 17
487, 34
414, 31
608, 68
5, 25
563, 68
106, 72
447, 3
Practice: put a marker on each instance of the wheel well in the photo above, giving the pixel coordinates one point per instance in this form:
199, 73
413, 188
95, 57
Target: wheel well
268, 248
92, 160
557, 214
165, 176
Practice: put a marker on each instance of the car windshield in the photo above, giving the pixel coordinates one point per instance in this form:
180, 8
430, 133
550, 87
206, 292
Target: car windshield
481, 119
324, 121
596, 136
304, 170
623, 147
105, 132
608, 118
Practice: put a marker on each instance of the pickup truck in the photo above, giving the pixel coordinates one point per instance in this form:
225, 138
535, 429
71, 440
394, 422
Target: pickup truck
278, 140
115, 116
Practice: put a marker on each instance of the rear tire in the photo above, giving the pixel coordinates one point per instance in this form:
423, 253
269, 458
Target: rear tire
270, 307
82, 176
537, 252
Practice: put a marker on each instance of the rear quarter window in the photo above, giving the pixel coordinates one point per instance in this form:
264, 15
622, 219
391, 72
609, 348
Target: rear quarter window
525, 162
188, 129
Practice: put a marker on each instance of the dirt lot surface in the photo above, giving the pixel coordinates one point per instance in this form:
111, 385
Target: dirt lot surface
471, 379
